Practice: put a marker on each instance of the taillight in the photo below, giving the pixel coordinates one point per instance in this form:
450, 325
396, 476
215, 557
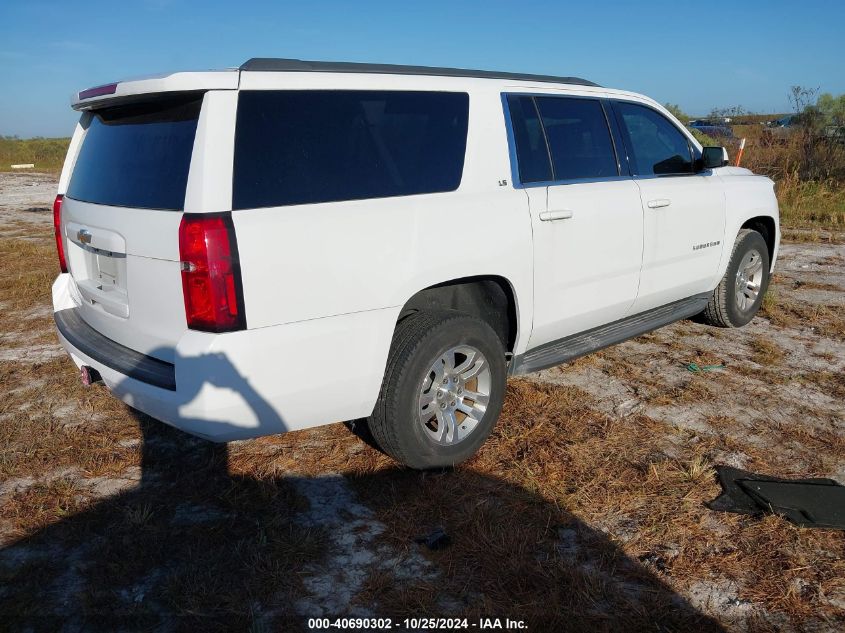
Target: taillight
211, 275
57, 228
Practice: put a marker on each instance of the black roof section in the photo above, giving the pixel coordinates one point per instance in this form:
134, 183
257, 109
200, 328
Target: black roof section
302, 66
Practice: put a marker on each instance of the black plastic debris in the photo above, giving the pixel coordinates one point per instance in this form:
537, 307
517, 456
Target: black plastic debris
655, 560
438, 539
817, 503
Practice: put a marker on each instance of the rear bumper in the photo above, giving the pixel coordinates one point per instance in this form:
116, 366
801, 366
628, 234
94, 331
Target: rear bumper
86, 340
245, 384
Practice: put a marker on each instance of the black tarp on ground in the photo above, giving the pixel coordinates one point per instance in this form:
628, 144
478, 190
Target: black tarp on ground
818, 503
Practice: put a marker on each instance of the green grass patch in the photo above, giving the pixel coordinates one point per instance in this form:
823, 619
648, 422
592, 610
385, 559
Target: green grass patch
812, 204
48, 154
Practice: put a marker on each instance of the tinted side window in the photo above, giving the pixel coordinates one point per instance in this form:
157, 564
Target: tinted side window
579, 138
300, 147
137, 155
656, 146
532, 153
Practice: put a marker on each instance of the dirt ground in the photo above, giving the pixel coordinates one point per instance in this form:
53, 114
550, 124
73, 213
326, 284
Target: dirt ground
584, 511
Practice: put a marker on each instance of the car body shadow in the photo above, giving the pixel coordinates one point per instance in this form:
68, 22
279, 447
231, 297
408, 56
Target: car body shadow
207, 380
195, 545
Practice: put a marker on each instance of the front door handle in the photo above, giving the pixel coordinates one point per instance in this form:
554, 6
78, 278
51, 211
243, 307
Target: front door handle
551, 216
660, 202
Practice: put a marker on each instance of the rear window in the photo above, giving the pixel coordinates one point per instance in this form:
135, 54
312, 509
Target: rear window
301, 147
138, 155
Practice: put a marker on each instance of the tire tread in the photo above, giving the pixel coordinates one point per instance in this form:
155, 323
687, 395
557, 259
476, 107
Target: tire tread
409, 335
412, 340
716, 312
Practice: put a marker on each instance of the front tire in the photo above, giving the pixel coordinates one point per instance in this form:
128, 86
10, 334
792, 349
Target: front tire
443, 390
738, 296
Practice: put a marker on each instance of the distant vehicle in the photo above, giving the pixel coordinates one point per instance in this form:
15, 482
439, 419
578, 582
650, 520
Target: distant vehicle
290, 243
784, 127
835, 132
790, 120
715, 129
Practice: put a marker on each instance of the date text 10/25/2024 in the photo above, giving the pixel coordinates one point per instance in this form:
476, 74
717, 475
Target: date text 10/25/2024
416, 624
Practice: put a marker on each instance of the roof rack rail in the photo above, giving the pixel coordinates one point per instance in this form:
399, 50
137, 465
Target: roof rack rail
298, 65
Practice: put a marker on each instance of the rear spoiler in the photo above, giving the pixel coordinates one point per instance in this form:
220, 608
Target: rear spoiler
131, 89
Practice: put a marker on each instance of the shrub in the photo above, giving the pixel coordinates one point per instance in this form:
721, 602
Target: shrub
46, 153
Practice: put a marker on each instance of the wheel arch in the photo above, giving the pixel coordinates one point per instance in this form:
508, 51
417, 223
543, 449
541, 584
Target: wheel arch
765, 225
763, 220
491, 298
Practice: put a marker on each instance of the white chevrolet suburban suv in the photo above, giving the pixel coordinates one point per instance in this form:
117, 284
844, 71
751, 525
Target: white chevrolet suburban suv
290, 243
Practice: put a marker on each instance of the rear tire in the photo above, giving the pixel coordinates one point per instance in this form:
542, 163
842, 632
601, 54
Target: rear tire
443, 389
738, 296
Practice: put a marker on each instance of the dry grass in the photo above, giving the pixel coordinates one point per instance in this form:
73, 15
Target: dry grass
831, 383
810, 176
25, 288
802, 154
766, 352
825, 319
811, 235
527, 519
811, 203
560, 467
799, 284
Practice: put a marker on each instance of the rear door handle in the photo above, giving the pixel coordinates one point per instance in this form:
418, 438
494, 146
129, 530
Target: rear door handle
660, 202
551, 216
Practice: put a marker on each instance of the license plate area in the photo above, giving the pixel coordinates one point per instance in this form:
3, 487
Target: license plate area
99, 272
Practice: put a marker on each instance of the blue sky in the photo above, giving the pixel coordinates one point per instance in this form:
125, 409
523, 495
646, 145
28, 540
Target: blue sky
700, 55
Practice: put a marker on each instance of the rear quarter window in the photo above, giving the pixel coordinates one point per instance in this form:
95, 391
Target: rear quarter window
137, 155
301, 147
531, 148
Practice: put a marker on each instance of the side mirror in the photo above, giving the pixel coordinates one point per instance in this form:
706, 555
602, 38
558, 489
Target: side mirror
712, 157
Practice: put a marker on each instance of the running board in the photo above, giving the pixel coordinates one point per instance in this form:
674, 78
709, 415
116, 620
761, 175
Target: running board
571, 347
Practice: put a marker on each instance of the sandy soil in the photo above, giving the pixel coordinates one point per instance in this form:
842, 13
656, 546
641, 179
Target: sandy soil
762, 392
